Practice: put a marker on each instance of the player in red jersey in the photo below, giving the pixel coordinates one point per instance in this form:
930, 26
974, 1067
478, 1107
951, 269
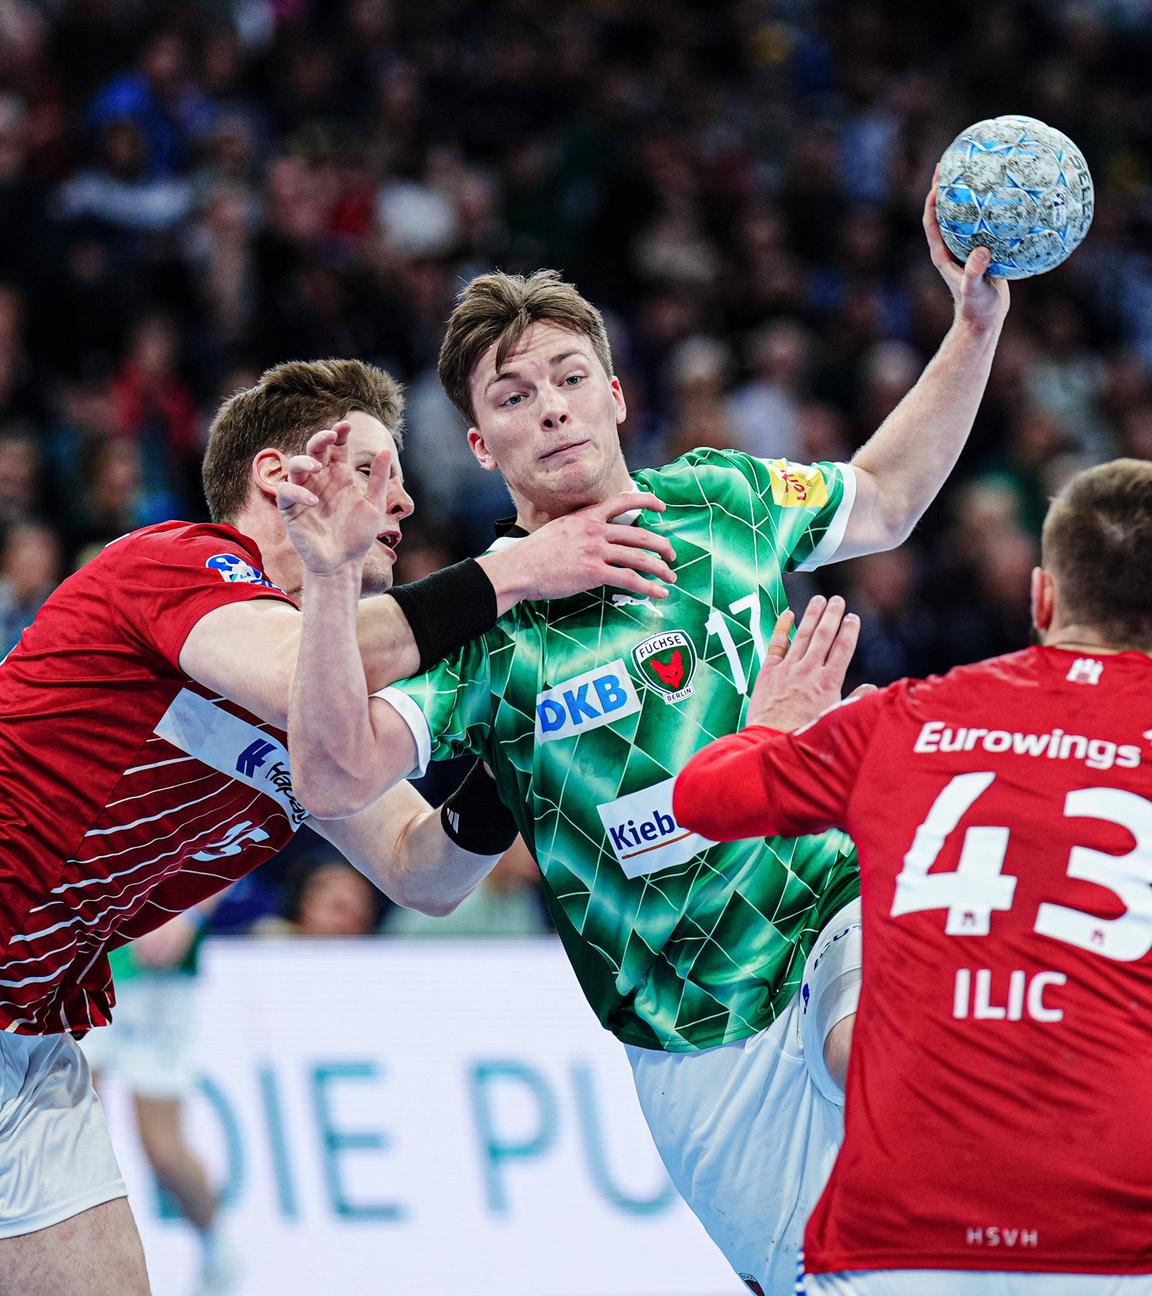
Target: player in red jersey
143, 767
998, 1124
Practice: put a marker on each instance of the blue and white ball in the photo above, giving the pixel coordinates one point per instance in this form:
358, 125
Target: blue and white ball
1020, 189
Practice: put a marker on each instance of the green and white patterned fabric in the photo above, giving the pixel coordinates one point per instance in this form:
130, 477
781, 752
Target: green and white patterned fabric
586, 709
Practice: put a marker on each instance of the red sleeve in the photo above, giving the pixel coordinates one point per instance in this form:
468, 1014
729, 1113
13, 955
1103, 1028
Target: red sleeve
166, 578
763, 783
176, 895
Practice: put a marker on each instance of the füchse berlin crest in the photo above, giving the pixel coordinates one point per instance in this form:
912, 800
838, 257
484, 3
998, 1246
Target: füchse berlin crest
667, 663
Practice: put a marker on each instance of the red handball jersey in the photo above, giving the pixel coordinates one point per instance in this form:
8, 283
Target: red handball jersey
127, 791
999, 1111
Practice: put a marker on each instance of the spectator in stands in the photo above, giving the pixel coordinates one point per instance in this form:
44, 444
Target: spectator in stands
156, 409
21, 478
30, 569
160, 100
327, 897
765, 410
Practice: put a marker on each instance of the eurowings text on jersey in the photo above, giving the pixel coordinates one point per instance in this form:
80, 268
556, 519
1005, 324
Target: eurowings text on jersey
1096, 753
644, 834
236, 571
666, 663
585, 702
797, 485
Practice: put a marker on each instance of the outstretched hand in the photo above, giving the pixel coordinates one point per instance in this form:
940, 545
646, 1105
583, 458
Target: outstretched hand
587, 549
333, 518
802, 679
981, 299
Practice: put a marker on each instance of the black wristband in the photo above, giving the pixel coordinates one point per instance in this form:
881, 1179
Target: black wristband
475, 818
447, 609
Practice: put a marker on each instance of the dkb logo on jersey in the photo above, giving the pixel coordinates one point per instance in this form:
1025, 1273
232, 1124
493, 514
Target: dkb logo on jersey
667, 663
598, 697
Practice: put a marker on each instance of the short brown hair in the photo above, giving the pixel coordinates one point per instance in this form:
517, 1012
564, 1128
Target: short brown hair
1097, 544
287, 405
499, 308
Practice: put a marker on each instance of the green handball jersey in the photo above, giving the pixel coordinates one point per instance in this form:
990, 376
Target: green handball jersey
586, 708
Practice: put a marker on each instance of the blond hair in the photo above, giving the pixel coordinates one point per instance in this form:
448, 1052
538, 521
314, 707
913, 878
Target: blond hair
497, 309
282, 411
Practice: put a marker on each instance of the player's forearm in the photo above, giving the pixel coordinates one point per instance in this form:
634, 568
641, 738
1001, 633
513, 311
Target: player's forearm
400, 845
509, 576
720, 793
429, 872
917, 446
335, 767
422, 623
419, 624
386, 643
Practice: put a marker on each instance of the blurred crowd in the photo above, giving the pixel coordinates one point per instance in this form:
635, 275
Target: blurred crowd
191, 193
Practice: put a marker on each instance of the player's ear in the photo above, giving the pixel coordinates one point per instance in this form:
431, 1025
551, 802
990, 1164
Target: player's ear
479, 448
269, 469
1043, 599
618, 397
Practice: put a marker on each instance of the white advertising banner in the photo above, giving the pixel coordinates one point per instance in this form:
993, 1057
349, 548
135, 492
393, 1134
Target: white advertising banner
421, 1118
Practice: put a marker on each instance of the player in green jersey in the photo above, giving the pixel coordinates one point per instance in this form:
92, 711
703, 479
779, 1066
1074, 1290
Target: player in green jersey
586, 708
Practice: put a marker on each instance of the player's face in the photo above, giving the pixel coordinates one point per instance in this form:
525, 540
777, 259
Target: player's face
365, 439
548, 420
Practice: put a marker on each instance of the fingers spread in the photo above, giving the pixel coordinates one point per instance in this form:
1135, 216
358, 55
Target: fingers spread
320, 444
623, 578
379, 475
979, 259
942, 258
827, 629
843, 646
625, 502
778, 643
929, 216
301, 467
807, 627
340, 434
640, 560
641, 539
290, 496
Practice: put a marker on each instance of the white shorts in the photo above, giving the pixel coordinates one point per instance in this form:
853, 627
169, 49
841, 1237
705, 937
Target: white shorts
969, 1282
151, 1044
55, 1153
749, 1131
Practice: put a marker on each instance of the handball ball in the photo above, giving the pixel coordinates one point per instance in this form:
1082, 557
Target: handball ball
1018, 188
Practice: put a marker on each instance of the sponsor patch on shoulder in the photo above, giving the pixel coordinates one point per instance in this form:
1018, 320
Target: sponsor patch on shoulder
797, 485
235, 570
